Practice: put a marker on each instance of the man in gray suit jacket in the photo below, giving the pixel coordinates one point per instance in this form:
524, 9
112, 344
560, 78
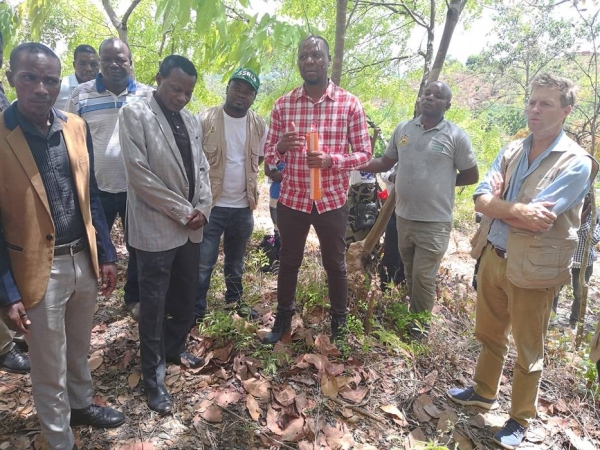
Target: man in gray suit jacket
168, 203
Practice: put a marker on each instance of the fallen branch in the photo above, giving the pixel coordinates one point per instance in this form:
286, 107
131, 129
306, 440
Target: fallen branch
369, 316
357, 409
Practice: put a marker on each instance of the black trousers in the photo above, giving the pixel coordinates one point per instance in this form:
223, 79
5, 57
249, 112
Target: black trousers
168, 281
330, 227
391, 267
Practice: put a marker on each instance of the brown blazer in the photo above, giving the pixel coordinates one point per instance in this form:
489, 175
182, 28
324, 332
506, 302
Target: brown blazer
24, 210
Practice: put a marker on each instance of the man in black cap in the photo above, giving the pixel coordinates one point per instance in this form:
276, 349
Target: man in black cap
233, 138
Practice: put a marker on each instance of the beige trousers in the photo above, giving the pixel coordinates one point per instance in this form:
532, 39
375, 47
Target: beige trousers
422, 246
6, 338
59, 342
502, 307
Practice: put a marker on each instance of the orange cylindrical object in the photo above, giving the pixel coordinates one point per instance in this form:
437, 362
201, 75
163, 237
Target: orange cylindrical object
312, 140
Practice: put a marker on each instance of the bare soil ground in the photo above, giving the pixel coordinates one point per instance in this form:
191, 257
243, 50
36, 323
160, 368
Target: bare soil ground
382, 393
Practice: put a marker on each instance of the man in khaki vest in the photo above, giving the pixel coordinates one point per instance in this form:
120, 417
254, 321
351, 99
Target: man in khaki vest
531, 199
233, 137
54, 242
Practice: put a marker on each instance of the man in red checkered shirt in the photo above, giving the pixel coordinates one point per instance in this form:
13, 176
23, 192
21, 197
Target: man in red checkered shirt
321, 106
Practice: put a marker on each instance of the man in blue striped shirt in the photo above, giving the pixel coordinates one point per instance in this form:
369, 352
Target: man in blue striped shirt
99, 102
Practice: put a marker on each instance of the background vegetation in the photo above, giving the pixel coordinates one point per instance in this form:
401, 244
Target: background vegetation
379, 65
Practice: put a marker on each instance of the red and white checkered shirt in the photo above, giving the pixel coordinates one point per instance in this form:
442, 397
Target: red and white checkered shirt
340, 120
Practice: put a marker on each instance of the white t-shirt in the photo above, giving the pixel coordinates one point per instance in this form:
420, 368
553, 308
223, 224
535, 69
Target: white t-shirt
234, 180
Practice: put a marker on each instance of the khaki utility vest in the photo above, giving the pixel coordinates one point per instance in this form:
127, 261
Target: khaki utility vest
215, 149
538, 259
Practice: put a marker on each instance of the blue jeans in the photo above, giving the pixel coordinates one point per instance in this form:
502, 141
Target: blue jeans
235, 225
114, 204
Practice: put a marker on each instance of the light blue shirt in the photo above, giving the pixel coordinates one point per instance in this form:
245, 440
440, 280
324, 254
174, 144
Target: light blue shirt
67, 86
566, 190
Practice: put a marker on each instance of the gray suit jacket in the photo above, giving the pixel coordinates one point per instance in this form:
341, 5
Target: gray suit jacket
157, 185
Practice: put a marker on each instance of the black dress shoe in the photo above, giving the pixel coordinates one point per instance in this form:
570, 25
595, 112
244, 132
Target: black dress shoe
97, 416
159, 400
20, 341
193, 361
14, 361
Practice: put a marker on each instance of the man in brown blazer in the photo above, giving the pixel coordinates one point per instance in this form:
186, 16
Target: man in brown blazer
11, 357
168, 203
53, 244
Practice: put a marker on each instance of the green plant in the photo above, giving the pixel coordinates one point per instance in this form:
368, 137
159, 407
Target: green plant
388, 338
222, 326
589, 373
399, 315
311, 291
403, 319
433, 445
255, 259
355, 326
272, 362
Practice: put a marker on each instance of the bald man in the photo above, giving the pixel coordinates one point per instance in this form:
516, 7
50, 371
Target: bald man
434, 156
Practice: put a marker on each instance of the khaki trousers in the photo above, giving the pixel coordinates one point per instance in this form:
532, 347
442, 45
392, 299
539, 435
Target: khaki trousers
6, 339
422, 246
59, 342
502, 306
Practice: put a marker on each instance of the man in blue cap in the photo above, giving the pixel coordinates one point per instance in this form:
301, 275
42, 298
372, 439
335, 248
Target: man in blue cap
233, 137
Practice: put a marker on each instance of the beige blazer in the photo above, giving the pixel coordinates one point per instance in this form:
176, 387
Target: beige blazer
157, 185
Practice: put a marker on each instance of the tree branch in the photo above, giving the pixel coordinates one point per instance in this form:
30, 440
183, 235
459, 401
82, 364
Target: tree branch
373, 64
112, 15
393, 7
125, 18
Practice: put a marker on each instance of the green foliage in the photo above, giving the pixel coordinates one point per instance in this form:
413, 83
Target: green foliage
589, 374
9, 21
271, 362
222, 326
508, 118
311, 291
433, 445
527, 45
369, 31
355, 326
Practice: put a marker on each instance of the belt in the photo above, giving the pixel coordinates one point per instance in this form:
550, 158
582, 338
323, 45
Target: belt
71, 248
498, 251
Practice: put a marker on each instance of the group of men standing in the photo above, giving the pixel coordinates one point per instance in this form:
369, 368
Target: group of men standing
138, 154
180, 184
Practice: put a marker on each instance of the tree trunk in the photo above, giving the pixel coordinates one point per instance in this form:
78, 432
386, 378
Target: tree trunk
340, 38
427, 57
455, 8
120, 24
